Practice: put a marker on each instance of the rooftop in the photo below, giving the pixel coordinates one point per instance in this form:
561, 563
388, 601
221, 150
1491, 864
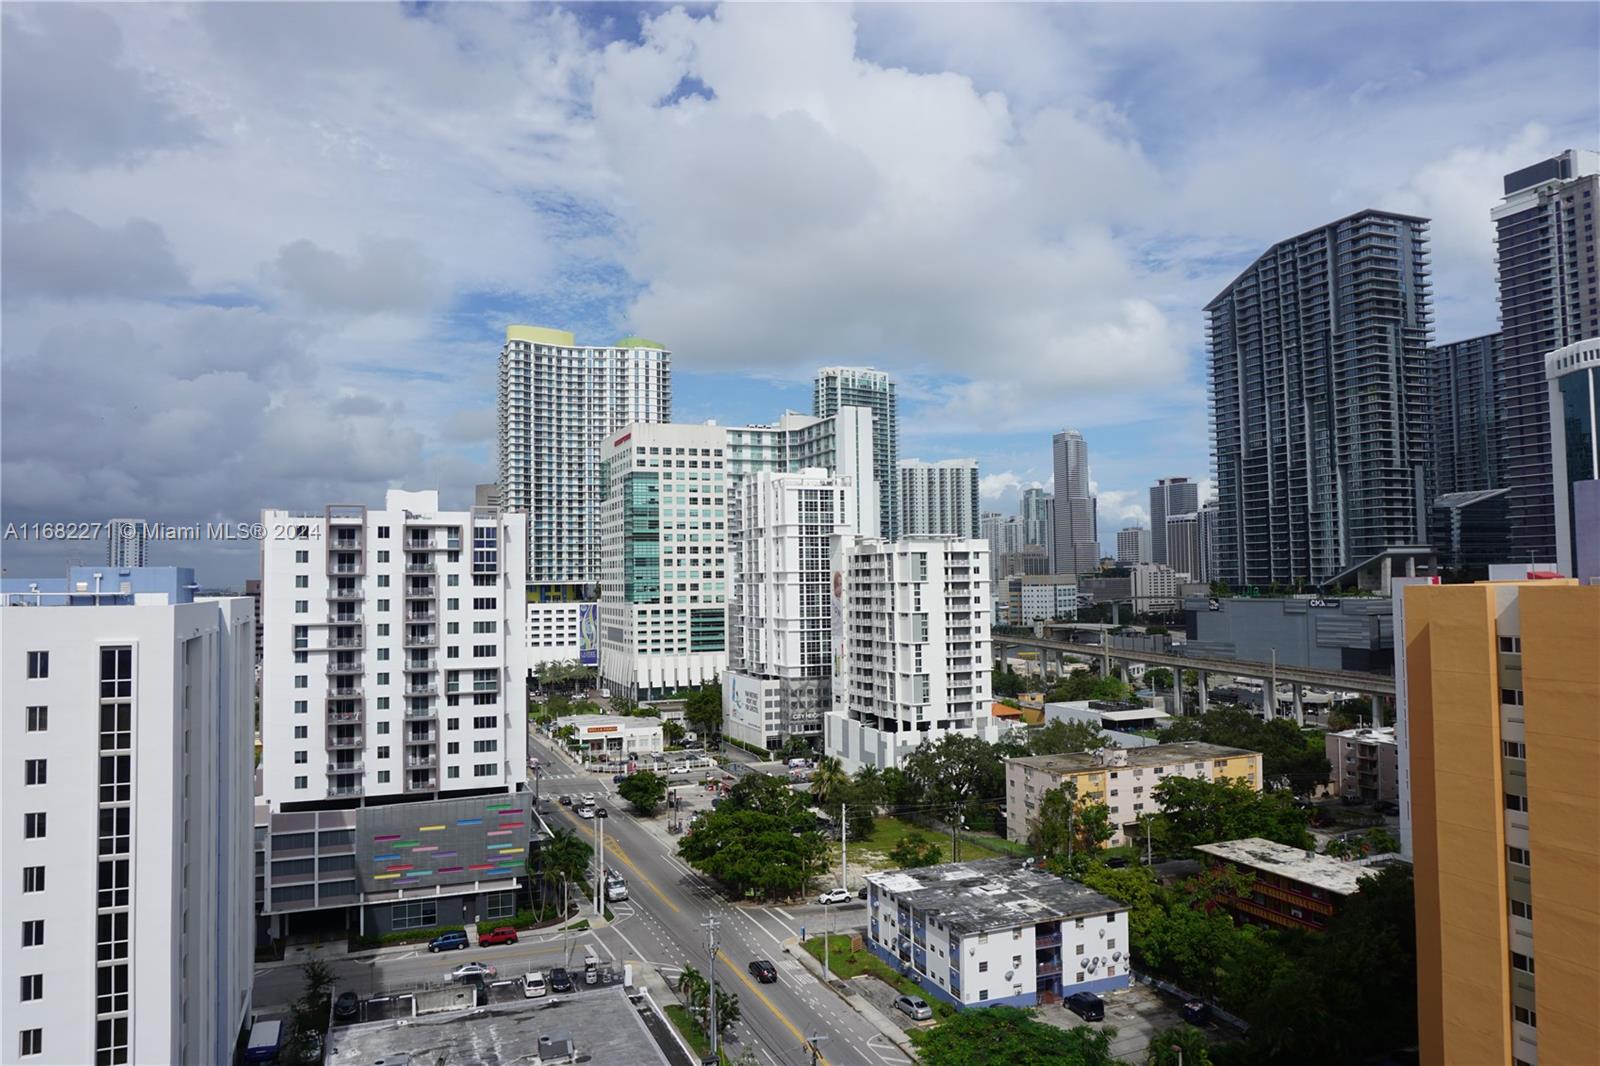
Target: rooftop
976, 897
603, 1025
102, 586
1154, 755
1307, 867
1383, 735
589, 722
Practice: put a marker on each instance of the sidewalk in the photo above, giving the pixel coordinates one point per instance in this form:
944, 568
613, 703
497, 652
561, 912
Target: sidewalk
859, 1004
330, 950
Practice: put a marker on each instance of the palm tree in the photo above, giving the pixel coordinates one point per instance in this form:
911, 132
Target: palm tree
828, 781
564, 857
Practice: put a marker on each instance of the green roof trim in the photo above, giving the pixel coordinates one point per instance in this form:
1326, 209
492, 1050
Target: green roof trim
639, 342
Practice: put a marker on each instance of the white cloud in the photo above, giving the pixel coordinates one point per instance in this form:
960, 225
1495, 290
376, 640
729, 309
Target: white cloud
995, 487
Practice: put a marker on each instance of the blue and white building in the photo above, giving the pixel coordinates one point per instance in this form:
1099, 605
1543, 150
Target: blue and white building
126, 846
997, 932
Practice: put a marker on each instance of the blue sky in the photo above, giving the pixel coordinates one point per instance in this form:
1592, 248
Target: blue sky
285, 239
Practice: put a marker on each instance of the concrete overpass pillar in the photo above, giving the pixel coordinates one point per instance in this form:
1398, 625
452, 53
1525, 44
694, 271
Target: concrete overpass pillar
1201, 690
1269, 697
1299, 707
1177, 687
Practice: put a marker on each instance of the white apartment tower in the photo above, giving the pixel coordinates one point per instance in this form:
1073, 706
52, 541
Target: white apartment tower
1154, 587
664, 543
126, 840
780, 622
126, 543
836, 387
559, 401
1133, 546
911, 649
939, 498
1185, 547
394, 653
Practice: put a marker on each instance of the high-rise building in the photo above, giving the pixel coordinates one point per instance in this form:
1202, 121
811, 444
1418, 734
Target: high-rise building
1208, 541
392, 696
1574, 397
558, 402
1153, 587
1319, 401
779, 627
126, 543
937, 498
1185, 552
1038, 513
841, 443
910, 647
664, 542
1549, 297
1133, 545
1502, 683
851, 386
127, 884
1077, 533
1169, 496
1462, 387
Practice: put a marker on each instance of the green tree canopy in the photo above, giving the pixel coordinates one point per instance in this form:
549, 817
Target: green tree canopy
1179, 1046
1010, 1036
1195, 811
1067, 824
1288, 755
1007, 682
765, 793
828, 782
645, 790
702, 709
755, 853
672, 733
914, 850
1057, 737
1087, 685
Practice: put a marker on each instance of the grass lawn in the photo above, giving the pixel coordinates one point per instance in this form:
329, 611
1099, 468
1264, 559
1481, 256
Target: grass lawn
888, 832
846, 963
691, 1032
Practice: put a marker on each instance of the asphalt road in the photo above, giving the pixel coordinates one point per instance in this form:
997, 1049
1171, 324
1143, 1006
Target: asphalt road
662, 925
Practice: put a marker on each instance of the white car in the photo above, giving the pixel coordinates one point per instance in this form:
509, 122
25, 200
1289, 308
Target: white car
468, 970
585, 812
834, 895
534, 985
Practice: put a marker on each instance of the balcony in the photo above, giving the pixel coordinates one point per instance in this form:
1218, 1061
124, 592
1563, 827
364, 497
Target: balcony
346, 768
421, 592
345, 717
422, 544
346, 790
344, 669
1047, 969
346, 595
422, 782
423, 736
342, 741
421, 568
346, 514
422, 762
422, 666
1049, 940
337, 569
419, 714
354, 692
344, 618
347, 642
426, 614
422, 690
421, 640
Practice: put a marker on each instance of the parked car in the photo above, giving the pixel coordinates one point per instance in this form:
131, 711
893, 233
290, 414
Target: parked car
348, 1005
500, 934
600, 812
534, 985
1386, 807
862, 894
764, 971
1195, 1012
585, 812
914, 1007
468, 970
1086, 1005
448, 942
834, 895
560, 980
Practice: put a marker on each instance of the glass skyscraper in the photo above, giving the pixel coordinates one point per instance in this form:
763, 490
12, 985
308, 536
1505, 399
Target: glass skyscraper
854, 386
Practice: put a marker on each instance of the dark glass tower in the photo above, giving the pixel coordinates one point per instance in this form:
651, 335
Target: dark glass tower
1319, 401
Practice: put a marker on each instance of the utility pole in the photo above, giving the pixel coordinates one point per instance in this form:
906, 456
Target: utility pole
710, 925
1147, 840
816, 1052
844, 849
600, 867
955, 841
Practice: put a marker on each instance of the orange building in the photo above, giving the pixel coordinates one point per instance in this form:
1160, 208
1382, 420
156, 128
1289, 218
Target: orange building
1503, 711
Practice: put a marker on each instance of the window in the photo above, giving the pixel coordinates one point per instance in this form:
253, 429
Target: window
452, 771
383, 751
383, 605
483, 769
33, 933
484, 721
302, 557
1521, 1014
32, 1042
300, 732
38, 719
481, 747
383, 728
1522, 962
38, 664
983, 994
383, 532
300, 758
1513, 749
301, 581
33, 825
302, 606
1511, 697
34, 771
383, 557
383, 777
1519, 856
416, 914
1078, 950
1521, 909
383, 581
300, 707
453, 748
983, 967
299, 782
33, 879
1515, 802
302, 681
32, 986
1511, 644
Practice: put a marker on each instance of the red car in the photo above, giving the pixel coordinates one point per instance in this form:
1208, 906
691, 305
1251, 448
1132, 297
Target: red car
502, 935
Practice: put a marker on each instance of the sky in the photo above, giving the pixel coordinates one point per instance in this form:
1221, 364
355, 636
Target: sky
262, 255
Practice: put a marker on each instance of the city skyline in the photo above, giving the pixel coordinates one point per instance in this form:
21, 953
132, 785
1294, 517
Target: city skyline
361, 320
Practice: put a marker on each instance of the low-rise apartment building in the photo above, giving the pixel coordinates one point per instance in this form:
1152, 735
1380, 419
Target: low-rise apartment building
998, 932
1366, 764
1125, 780
1294, 889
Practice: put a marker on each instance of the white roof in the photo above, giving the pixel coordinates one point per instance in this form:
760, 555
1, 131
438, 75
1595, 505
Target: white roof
1319, 871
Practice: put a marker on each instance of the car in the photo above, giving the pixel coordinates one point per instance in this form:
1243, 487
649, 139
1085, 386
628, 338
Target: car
834, 895
1086, 1005
863, 893
560, 980
348, 1005
585, 812
566, 801
453, 941
1386, 807
600, 812
1351, 801
1118, 862
500, 934
617, 779
587, 798
1195, 1012
764, 971
469, 970
534, 985
914, 1007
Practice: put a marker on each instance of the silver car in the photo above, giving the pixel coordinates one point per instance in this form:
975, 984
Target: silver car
914, 1007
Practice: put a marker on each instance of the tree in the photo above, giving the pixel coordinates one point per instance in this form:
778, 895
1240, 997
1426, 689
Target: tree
1058, 736
915, 850
962, 775
765, 793
1064, 817
564, 857
311, 1010
1159, 677
1288, 755
702, 710
1006, 1036
696, 992
672, 733
1195, 811
645, 790
828, 781
1006, 682
1179, 1046
755, 852
1086, 685
624, 705
566, 733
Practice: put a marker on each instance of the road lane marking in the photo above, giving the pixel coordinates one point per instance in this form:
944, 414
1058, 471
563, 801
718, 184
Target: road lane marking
771, 1006
615, 849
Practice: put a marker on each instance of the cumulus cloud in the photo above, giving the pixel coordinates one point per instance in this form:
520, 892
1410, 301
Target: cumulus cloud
384, 275
995, 487
64, 255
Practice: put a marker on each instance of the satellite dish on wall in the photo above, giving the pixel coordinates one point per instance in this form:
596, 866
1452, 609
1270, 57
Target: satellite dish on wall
1009, 974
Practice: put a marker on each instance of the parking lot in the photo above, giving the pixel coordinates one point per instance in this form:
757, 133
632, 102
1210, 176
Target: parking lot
1137, 1014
